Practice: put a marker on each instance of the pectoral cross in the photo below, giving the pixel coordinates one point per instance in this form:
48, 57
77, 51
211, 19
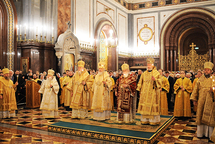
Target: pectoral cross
69, 24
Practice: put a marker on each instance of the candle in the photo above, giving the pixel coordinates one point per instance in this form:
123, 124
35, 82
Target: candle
36, 30
20, 30
25, 28
52, 31
17, 29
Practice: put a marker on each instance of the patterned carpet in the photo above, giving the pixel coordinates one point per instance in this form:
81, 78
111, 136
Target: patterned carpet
179, 131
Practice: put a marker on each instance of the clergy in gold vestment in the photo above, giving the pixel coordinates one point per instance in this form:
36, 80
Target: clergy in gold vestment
62, 90
7, 96
101, 105
49, 89
80, 92
163, 91
92, 77
63, 87
182, 89
126, 97
111, 93
203, 94
199, 74
67, 90
149, 86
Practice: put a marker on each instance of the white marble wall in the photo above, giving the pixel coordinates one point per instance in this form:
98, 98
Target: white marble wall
152, 46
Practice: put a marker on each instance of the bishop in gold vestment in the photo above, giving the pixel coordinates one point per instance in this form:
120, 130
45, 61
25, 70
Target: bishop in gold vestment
126, 96
7, 96
182, 89
49, 89
149, 86
101, 104
80, 92
203, 94
163, 91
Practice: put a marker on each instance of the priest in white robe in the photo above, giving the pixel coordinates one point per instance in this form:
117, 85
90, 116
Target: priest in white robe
49, 89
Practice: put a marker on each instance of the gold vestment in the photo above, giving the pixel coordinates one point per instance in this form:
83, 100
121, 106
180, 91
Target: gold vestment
101, 94
182, 99
8, 102
164, 91
149, 103
206, 106
80, 92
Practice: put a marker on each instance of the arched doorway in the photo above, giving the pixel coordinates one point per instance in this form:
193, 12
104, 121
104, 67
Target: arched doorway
105, 42
192, 25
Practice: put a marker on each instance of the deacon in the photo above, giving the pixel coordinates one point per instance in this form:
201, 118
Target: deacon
101, 103
80, 92
49, 89
182, 89
125, 92
163, 91
7, 95
149, 86
203, 94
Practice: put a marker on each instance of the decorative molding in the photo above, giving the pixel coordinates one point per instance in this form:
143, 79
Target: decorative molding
106, 8
138, 32
152, 4
10, 37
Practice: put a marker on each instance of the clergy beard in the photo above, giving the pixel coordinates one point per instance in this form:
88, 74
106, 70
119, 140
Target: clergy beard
70, 76
7, 78
49, 79
79, 72
100, 73
207, 75
125, 75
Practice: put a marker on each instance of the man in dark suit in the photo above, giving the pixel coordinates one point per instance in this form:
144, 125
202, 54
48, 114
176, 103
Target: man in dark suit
169, 95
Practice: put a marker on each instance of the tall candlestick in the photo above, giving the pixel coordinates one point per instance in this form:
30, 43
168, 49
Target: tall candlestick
17, 29
20, 30
36, 30
25, 28
52, 32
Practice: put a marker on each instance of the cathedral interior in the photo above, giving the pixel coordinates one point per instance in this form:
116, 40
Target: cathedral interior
55, 34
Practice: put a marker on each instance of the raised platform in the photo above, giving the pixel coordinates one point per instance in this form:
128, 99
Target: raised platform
110, 130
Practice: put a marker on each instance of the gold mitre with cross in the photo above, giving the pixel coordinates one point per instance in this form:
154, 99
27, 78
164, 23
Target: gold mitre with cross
51, 72
125, 66
101, 65
5, 71
150, 61
208, 65
81, 63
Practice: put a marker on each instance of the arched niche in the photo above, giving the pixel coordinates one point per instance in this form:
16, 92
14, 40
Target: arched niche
102, 27
67, 43
179, 26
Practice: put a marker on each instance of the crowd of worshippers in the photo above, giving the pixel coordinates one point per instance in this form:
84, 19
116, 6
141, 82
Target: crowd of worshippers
63, 80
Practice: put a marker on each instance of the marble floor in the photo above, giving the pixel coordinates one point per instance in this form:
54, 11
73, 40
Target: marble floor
29, 126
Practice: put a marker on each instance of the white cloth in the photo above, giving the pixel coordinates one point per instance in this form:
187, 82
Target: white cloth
154, 120
127, 117
7, 114
49, 104
204, 130
101, 115
79, 113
